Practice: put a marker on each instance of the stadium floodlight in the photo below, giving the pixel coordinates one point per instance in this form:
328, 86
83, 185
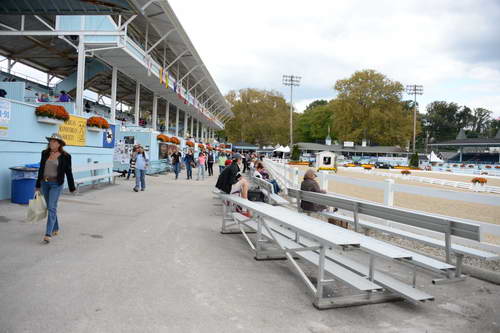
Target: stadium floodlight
292, 81
414, 90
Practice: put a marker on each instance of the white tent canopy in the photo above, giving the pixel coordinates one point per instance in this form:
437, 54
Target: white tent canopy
279, 149
286, 149
433, 158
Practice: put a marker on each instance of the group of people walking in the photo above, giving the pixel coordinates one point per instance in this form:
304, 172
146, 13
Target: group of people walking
203, 163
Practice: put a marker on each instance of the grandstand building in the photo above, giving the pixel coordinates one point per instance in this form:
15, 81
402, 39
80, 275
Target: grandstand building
127, 61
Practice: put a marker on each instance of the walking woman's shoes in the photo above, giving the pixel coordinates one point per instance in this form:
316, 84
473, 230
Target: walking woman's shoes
46, 239
136, 189
55, 233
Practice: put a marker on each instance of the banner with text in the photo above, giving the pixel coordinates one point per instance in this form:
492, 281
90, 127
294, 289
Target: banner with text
74, 131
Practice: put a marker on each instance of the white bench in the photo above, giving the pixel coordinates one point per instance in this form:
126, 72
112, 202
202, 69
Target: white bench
408, 292
442, 224
94, 178
268, 190
317, 242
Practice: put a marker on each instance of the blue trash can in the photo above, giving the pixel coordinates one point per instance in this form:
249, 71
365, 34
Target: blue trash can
23, 184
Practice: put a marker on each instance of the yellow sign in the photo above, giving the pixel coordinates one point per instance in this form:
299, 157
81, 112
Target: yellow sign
74, 130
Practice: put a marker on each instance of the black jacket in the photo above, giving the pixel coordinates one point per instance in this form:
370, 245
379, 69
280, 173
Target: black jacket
229, 176
63, 169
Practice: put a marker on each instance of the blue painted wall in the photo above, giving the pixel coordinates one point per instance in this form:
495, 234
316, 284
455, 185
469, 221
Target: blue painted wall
26, 139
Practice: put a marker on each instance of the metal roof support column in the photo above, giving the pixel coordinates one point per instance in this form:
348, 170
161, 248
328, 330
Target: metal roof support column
191, 129
198, 129
80, 76
185, 124
167, 116
155, 111
114, 79
177, 121
137, 101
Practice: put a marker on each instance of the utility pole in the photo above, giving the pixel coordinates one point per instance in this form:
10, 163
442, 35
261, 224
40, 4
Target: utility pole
414, 89
292, 81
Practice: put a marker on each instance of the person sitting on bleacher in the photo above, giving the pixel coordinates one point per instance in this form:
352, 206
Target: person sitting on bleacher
231, 181
260, 173
310, 184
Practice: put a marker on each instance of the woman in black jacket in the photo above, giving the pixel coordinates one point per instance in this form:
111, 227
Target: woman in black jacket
55, 164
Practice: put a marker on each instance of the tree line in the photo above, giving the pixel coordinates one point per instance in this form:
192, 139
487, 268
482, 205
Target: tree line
368, 105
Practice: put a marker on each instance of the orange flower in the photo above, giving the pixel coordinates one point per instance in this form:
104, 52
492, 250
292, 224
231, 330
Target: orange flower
479, 180
163, 138
52, 111
98, 122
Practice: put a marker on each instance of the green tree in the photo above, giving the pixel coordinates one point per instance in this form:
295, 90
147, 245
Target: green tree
414, 160
441, 121
318, 102
295, 153
369, 105
312, 125
261, 117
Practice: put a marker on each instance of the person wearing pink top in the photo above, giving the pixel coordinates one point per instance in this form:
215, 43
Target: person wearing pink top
201, 166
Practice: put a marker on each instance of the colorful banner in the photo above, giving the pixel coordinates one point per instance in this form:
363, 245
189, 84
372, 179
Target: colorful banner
108, 137
74, 131
4, 117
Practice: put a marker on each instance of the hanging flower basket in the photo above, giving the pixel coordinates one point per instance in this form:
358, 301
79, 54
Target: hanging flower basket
175, 140
479, 180
162, 138
488, 167
201, 146
190, 144
51, 114
405, 172
97, 124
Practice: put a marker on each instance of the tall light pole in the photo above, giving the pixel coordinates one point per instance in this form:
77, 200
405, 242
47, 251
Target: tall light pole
414, 89
292, 81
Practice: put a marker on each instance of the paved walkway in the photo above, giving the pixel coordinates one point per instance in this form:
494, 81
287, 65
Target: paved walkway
155, 261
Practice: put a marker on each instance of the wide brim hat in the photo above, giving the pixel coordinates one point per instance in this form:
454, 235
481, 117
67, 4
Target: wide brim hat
56, 136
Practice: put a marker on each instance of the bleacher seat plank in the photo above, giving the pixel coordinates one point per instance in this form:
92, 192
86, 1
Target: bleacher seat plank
339, 272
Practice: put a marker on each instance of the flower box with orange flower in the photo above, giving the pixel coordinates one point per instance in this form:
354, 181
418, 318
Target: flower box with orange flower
175, 140
479, 180
488, 167
163, 138
51, 114
97, 124
497, 166
405, 172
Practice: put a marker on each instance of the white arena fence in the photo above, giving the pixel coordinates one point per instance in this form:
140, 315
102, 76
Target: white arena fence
290, 176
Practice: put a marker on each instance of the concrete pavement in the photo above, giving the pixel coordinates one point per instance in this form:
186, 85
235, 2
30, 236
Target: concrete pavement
155, 261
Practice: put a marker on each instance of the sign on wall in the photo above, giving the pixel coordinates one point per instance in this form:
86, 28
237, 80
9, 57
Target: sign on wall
108, 137
4, 117
74, 131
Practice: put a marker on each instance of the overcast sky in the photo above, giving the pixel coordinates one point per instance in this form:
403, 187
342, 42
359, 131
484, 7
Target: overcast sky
451, 47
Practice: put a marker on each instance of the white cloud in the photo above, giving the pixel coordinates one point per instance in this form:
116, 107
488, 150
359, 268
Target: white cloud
434, 43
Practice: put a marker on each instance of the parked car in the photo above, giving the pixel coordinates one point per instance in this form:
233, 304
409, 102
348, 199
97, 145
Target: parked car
383, 165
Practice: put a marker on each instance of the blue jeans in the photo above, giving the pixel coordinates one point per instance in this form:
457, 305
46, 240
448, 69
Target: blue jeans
140, 179
189, 171
51, 192
201, 172
276, 187
177, 169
